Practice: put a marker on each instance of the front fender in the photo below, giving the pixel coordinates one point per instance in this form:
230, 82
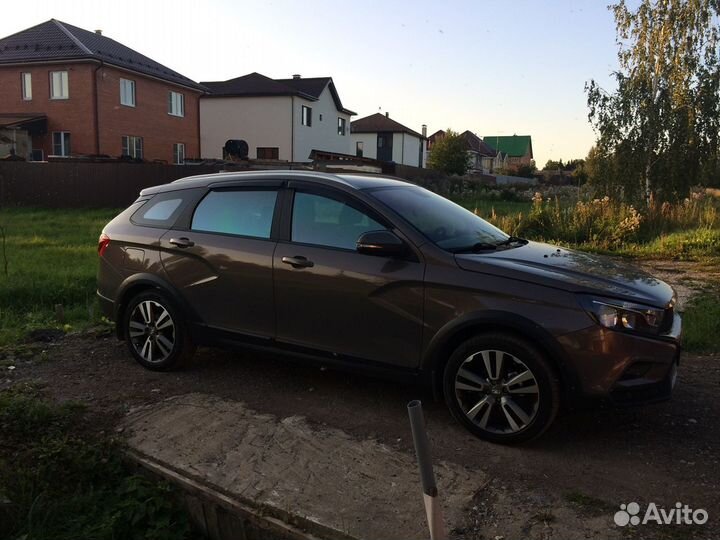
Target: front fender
454, 332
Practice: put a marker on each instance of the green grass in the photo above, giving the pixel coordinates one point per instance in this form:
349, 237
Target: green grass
486, 207
51, 259
589, 505
688, 229
702, 323
61, 479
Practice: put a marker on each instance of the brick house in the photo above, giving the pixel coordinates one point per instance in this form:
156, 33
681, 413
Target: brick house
65, 91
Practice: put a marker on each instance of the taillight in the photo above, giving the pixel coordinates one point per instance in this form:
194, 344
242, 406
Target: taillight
103, 243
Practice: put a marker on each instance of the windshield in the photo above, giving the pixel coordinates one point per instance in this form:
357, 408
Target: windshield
443, 222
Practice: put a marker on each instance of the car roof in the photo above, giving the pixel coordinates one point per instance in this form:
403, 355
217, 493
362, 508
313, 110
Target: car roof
353, 181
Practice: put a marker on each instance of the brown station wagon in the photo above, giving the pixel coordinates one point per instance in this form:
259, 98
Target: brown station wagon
378, 274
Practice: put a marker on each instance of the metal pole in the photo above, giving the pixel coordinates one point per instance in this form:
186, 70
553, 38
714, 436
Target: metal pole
433, 511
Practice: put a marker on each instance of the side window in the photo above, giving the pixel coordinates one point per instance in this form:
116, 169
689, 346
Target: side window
160, 211
242, 212
328, 222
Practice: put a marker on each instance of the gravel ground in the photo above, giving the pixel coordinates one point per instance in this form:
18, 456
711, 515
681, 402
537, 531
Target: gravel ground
568, 484
583, 468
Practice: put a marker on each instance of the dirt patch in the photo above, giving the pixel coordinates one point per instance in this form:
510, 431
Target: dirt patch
686, 277
360, 488
565, 485
659, 453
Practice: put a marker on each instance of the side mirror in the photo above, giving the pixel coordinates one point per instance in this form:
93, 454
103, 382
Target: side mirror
383, 243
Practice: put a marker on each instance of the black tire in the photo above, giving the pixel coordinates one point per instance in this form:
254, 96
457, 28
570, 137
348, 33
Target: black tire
526, 412
157, 335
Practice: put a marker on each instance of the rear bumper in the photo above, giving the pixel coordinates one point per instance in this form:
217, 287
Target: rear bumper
627, 368
107, 306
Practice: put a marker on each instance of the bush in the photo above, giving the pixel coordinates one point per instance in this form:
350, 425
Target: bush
608, 224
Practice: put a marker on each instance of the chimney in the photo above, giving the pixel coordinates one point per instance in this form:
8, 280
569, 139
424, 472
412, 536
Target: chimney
424, 130
297, 76
98, 32
387, 114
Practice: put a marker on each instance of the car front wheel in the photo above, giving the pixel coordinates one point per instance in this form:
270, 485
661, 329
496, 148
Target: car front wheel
155, 332
501, 388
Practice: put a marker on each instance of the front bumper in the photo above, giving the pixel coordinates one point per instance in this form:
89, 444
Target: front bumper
626, 367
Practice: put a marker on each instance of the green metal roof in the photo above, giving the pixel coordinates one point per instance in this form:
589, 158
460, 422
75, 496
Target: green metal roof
512, 145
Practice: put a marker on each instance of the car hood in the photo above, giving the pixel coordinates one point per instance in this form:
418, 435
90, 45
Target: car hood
570, 270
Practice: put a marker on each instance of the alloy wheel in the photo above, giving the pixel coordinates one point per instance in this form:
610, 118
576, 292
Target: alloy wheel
497, 391
152, 331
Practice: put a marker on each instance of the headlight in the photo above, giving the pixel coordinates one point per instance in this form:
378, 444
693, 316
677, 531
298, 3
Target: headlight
620, 315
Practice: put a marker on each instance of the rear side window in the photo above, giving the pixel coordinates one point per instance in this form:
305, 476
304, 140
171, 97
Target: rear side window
245, 213
160, 211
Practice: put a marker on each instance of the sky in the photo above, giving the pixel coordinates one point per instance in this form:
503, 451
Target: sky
492, 67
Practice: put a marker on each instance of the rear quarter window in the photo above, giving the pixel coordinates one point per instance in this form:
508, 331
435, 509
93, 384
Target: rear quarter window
160, 211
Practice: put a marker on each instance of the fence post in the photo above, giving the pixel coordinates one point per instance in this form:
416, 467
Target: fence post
433, 510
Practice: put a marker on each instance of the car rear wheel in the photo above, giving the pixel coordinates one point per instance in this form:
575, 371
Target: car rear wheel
501, 388
155, 332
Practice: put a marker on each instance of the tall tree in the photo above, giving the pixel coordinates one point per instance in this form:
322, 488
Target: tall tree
661, 125
449, 154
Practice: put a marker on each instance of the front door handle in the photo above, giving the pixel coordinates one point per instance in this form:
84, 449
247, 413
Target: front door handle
298, 262
182, 242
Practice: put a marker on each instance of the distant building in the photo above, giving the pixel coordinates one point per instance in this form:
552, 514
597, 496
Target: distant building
279, 119
65, 91
380, 137
481, 157
517, 147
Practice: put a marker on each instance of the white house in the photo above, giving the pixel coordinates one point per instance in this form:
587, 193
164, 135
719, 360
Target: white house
282, 119
380, 137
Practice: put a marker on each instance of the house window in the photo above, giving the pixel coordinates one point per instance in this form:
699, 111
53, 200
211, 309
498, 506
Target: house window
268, 153
132, 146
179, 153
127, 92
341, 126
26, 79
306, 116
61, 143
59, 85
176, 104
359, 149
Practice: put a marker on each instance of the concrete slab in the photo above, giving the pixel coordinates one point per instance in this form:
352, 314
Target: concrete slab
292, 471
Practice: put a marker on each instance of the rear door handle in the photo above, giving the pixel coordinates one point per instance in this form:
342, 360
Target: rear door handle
298, 262
182, 242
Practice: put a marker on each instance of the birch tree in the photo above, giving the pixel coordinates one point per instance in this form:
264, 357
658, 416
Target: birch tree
661, 124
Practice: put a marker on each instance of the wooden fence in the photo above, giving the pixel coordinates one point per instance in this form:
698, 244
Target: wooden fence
85, 185
78, 184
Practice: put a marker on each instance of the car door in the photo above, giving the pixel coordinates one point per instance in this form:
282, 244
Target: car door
222, 260
332, 298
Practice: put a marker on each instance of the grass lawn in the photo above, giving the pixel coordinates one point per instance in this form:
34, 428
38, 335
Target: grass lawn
51, 259
486, 207
701, 323
62, 478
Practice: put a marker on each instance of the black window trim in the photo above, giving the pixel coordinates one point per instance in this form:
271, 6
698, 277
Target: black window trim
245, 187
